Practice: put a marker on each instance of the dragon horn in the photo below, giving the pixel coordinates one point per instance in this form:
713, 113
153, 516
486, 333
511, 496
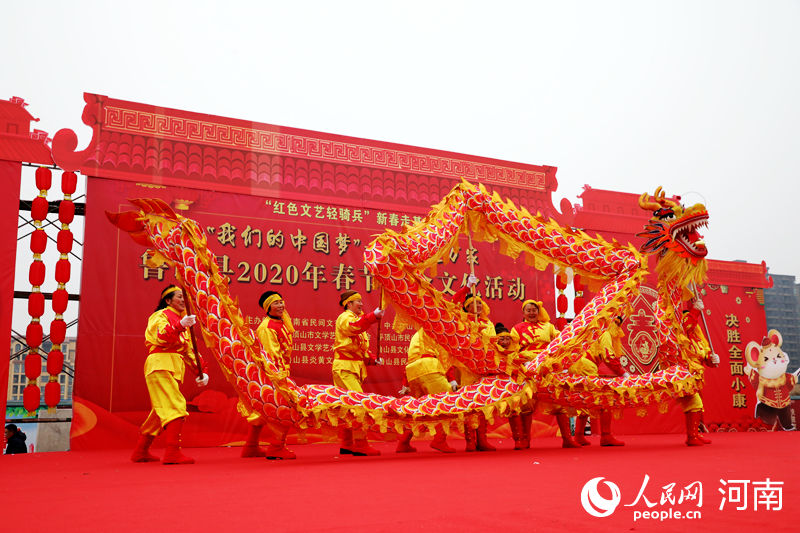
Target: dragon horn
646, 203
127, 221
130, 223
662, 200
154, 206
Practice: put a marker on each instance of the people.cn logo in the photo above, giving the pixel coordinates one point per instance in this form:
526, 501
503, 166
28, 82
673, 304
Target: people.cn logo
596, 505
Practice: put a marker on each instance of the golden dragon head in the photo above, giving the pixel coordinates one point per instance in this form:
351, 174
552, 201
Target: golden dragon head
672, 233
673, 227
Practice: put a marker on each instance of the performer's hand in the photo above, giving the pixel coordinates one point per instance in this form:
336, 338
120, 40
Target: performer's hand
403, 391
454, 385
202, 381
698, 304
378, 361
188, 321
472, 280
714, 359
378, 312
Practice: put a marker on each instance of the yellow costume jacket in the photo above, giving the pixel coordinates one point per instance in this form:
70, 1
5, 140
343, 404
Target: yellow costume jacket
535, 337
169, 345
276, 340
351, 346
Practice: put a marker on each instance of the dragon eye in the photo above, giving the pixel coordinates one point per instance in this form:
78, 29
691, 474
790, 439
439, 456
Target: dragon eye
665, 213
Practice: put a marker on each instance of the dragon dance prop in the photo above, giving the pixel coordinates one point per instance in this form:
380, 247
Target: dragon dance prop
399, 261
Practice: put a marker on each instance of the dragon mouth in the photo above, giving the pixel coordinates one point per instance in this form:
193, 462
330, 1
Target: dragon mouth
684, 232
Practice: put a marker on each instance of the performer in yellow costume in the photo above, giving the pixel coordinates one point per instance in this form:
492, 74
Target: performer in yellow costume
169, 349
474, 306
275, 333
427, 373
693, 405
507, 343
607, 350
535, 332
351, 356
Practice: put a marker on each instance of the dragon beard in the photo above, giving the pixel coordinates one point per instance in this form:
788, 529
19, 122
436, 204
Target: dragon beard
675, 268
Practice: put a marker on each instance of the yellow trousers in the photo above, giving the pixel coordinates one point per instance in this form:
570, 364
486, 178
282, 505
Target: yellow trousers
690, 403
167, 402
432, 383
429, 384
253, 418
583, 367
350, 381
347, 380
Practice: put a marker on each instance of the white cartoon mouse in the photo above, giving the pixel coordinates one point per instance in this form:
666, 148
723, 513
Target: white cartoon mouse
766, 368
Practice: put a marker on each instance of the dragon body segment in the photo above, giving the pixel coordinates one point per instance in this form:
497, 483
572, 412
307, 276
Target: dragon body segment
398, 262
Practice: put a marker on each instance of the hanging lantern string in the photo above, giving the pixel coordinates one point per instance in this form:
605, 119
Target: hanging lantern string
69, 208
60, 297
31, 395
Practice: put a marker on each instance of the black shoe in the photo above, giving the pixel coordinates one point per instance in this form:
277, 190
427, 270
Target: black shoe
345, 451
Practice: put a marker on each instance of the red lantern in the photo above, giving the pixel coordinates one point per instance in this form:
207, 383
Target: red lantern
60, 300
576, 280
69, 181
33, 365
66, 211
64, 241
55, 362
52, 393
562, 303
58, 331
36, 304
561, 282
561, 323
31, 397
579, 303
62, 270
39, 208
36, 273
33, 335
38, 241
44, 178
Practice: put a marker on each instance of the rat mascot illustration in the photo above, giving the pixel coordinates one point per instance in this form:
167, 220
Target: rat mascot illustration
766, 368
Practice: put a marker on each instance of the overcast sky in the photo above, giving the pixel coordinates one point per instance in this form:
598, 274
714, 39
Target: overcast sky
699, 96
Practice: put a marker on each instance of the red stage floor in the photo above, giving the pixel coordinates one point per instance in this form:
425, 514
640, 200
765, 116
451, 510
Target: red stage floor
535, 490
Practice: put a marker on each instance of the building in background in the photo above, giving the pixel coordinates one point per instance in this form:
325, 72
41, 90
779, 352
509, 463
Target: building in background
16, 374
782, 306
47, 429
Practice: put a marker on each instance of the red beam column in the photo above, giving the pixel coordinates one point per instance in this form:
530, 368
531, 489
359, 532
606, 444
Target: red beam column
10, 176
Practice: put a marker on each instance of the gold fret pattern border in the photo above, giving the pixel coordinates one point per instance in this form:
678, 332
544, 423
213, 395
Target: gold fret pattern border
240, 138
